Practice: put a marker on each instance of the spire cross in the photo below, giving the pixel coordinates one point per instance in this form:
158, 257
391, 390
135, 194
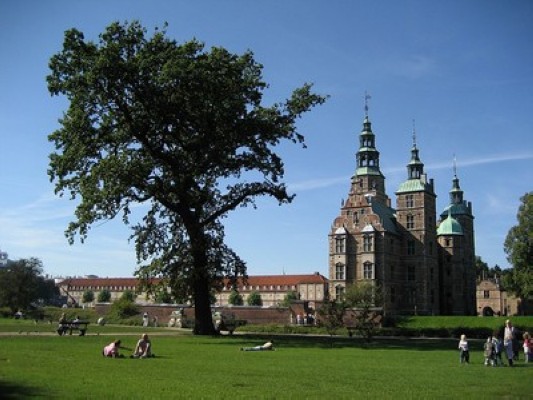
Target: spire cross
367, 97
454, 165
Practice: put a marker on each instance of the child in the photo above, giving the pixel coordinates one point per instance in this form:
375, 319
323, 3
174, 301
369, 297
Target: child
464, 355
489, 352
527, 347
111, 350
497, 344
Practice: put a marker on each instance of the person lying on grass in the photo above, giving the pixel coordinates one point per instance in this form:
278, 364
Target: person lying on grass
267, 346
143, 349
112, 349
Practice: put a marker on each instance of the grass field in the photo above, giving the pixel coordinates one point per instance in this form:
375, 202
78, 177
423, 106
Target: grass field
39, 364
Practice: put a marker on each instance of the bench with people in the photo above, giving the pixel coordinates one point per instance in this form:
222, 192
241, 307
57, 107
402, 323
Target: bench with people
65, 326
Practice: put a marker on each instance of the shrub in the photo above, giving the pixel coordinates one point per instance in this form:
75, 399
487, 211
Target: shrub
123, 309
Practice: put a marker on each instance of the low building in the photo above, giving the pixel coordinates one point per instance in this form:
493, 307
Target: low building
74, 288
272, 288
493, 299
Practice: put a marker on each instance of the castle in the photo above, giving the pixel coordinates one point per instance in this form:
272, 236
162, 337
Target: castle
423, 263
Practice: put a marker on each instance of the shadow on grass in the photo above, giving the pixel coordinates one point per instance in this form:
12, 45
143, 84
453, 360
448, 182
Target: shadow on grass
18, 391
328, 342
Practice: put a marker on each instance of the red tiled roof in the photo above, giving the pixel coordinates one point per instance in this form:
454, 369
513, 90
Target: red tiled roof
254, 280
282, 280
102, 282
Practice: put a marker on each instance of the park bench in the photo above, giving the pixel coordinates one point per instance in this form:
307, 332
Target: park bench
71, 326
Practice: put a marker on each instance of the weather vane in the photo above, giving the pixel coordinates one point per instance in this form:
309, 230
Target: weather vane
367, 97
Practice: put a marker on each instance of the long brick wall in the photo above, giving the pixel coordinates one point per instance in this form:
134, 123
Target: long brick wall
252, 315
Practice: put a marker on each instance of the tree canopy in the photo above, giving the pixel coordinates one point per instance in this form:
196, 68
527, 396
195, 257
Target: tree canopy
254, 299
22, 283
519, 249
178, 129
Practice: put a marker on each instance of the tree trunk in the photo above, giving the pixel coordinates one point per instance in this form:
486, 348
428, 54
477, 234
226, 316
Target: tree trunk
203, 321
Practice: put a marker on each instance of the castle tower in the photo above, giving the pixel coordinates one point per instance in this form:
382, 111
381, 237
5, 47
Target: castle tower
417, 278
457, 258
363, 237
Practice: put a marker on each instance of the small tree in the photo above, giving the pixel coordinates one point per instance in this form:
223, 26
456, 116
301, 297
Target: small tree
254, 299
124, 308
163, 296
128, 295
104, 296
331, 315
235, 298
289, 298
364, 297
88, 296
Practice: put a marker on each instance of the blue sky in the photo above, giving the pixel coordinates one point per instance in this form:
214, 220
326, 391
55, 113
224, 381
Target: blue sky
462, 69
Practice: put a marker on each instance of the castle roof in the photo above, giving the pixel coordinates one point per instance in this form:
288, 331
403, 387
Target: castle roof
450, 226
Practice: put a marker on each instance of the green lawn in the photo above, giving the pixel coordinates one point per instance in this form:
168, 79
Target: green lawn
38, 364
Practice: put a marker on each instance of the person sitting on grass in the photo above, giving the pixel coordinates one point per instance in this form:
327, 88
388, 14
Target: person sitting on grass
112, 349
143, 349
267, 346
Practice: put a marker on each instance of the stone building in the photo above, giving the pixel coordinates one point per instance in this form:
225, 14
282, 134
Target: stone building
493, 299
422, 265
310, 288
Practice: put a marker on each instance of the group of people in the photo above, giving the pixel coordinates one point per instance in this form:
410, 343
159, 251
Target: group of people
143, 348
494, 347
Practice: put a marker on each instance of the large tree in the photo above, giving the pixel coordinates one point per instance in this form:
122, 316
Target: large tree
22, 283
177, 128
519, 248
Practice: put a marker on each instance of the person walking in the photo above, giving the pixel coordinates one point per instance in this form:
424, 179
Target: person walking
464, 355
508, 339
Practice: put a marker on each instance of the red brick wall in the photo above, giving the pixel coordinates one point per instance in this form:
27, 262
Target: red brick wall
252, 315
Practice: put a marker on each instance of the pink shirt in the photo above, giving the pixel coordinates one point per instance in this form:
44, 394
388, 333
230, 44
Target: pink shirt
110, 350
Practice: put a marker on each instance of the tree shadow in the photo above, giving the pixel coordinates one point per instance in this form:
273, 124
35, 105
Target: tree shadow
19, 391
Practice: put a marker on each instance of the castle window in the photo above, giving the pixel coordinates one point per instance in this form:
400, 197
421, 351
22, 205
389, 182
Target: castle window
411, 296
368, 270
340, 244
411, 247
367, 243
411, 273
339, 292
486, 294
339, 271
410, 222
409, 201
432, 296
392, 294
